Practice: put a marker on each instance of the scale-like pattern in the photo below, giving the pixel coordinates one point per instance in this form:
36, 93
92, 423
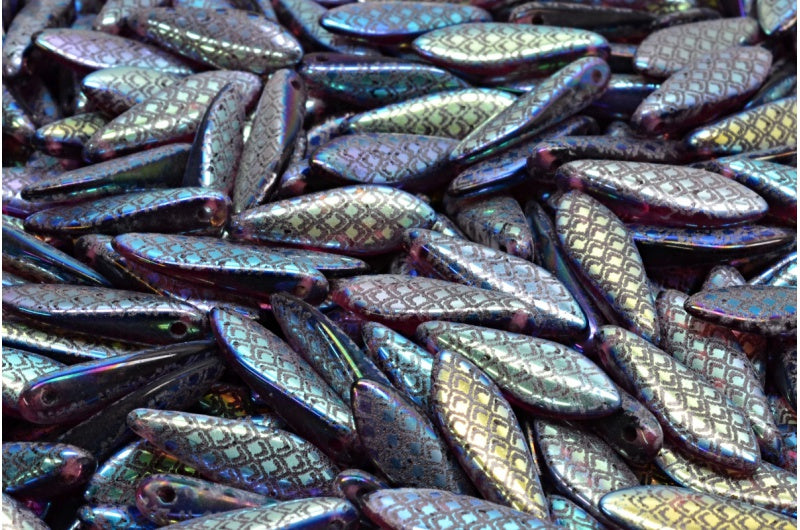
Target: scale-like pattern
36, 468
482, 429
402, 442
171, 115
770, 486
753, 308
566, 513
33, 17
217, 148
505, 169
230, 39
155, 168
106, 312
305, 401
61, 346
441, 510
318, 512
515, 51
355, 220
331, 264
673, 508
302, 16
693, 413
777, 183
604, 252
723, 276
115, 90
67, 137
705, 89
371, 81
173, 209
246, 268
776, 16
563, 94
713, 352
113, 16
451, 114
543, 376
772, 125
93, 50
667, 50
13, 513
499, 223
116, 479
555, 310
664, 194
19, 368
267, 461
398, 22
404, 302
582, 465
407, 161
408, 366
781, 273
550, 154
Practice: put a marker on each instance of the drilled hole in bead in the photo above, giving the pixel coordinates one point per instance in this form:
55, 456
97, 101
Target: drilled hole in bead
166, 494
178, 329
629, 433
205, 213
49, 397
295, 84
597, 76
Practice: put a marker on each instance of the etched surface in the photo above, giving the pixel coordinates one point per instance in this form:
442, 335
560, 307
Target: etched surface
267, 461
115, 90
671, 507
604, 251
760, 309
693, 413
499, 223
667, 50
19, 368
356, 220
484, 433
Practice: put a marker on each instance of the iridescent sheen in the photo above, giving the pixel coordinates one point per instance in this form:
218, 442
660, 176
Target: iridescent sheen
663, 194
68, 136
250, 269
267, 461
297, 393
172, 209
667, 50
105, 312
407, 161
402, 442
113, 16
604, 253
672, 508
440, 256
624, 93
19, 368
770, 125
355, 220
581, 464
511, 51
694, 414
115, 90
161, 167
41, 469
303, 17
33, 17
407, 365
483, 431
397, 22
499, 223
566, 513
223, 39
566, 92
753, 308
169, 499
369, 82
539, 375
94, 50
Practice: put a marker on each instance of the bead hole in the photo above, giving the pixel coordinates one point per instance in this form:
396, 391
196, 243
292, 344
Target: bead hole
166, 494
178, 329
295, 84
629, 433
597, 76
49, 397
